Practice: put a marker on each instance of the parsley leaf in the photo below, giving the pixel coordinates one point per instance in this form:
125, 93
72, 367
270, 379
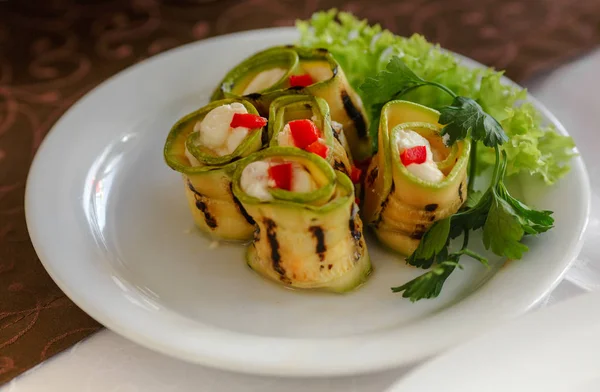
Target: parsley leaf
429, 285
502, 231
473, 198
465, 118
395, 78
505, 220
433, 245
508, 219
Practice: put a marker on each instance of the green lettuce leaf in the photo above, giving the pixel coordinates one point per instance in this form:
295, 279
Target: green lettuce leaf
363, 49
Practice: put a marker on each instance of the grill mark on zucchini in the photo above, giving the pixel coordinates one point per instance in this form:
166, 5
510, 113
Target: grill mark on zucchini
354, 231
420, 230
460, 192
271, 227
384, 204
355, 115
256, 233
253, 96
339, 166
336, 134
210, 220
319, 235
431, 207
372, 176
239, 206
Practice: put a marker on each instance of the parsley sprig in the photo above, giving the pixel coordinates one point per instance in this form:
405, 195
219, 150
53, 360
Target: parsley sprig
504, 219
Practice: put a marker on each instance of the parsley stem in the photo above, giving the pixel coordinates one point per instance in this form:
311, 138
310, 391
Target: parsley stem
472, 167
444, 88
497, 166
465, 240
474, 255
407, 90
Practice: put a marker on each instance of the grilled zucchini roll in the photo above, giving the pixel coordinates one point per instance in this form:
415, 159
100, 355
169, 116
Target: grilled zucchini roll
205, 147
308, 232
303, 121
286, 70
414, 179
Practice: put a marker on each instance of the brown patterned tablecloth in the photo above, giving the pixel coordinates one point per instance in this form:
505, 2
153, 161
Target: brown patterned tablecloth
54, 51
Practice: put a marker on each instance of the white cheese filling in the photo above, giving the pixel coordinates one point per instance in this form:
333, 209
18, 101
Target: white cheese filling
255, 180
264, 80
319, 72
285, 138
428, 170
216, 133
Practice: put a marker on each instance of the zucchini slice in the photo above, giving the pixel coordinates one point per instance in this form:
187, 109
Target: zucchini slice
265, 75
207, 181
298, 107
399, 205
309, 240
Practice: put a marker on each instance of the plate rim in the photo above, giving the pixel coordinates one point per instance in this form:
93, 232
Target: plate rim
275, 366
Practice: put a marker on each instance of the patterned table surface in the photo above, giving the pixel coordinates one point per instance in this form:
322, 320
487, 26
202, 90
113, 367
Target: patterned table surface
108, 362
52, 52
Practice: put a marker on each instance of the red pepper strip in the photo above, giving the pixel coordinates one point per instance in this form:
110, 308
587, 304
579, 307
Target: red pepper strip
247, 120
412, 155
304, 132
304, 80
282, 175
355, 174
318, 148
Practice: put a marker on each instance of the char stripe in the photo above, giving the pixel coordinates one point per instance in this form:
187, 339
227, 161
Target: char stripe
210, 220
240, 207
320, 248
355, 115
271, 227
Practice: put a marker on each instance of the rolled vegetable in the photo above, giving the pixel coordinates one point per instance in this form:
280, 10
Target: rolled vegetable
205, 147
308, 236
303, 121
414, 179
289, 69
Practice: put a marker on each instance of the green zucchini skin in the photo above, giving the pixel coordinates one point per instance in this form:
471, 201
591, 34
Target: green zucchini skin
398, 205
294, 107
208, 187
345, 105
307, 240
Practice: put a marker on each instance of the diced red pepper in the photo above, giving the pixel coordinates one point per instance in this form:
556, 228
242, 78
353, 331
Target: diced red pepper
355, 174
412, 155
304, 132
357, 201
318, 148
282, 175
364, 164
247, 120
304, 80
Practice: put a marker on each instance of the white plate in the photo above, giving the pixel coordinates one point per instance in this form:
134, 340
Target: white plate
551, 350
109, 221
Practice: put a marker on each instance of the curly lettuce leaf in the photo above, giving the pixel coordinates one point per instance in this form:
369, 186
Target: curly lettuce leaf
363, 50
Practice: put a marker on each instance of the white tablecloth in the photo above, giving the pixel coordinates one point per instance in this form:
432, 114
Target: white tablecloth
106, 362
